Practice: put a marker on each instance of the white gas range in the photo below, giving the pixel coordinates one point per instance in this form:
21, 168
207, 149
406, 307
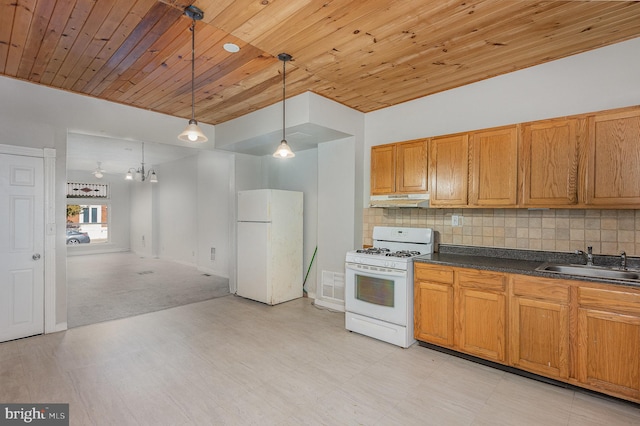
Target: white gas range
379, 284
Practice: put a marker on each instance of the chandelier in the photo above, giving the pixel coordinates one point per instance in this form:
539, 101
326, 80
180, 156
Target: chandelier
139, 174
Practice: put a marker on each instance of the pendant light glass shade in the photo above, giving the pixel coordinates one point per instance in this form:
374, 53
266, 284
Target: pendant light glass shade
284, 151
193, 133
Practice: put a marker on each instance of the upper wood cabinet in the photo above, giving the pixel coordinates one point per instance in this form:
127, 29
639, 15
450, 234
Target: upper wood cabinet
411, 166
449, 168
383, 169
399, 168
614, 159
493, 155
583, 161
549, 163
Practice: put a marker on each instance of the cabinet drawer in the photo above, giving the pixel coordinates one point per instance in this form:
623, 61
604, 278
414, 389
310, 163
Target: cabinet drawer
439, 274
482, 280
611, 300
541, 288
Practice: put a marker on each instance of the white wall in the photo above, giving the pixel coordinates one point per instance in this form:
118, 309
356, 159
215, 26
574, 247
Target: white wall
215, 206
141, 218
600, 79
176, 210
336, 189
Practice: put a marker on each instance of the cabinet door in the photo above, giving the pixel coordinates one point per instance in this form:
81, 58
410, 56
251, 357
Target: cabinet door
449, 169
539, 332
383, 164
494, 167
608, 341
549, 163
614, 156
433, 304
481, 326
411, 167
433, 319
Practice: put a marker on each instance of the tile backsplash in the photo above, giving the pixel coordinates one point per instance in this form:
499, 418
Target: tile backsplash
561, 230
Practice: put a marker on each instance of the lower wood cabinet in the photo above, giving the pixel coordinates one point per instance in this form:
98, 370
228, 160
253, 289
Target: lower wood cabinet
481, 325
539, 324
433, 307
461, 309
608, 341
586, 334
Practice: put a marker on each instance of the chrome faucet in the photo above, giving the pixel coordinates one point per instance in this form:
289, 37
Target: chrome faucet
588, 255
623, 260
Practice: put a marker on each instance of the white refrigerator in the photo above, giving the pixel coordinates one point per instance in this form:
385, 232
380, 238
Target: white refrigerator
269, 265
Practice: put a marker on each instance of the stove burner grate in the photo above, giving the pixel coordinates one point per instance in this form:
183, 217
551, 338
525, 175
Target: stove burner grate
403, 253
374, 250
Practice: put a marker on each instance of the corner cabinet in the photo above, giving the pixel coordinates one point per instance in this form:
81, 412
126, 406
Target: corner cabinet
399, 168
583, 333
614, 155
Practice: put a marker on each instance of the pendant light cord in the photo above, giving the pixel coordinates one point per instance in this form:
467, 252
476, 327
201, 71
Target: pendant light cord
284, 85
193, 70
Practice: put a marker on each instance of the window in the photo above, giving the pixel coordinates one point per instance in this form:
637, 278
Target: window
89, 219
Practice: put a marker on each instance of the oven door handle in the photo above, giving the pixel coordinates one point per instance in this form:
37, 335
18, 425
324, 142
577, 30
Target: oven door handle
377, 272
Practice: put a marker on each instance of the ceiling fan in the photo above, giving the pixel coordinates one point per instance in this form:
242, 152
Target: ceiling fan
98, 172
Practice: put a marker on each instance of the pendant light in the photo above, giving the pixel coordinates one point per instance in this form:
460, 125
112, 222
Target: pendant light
284, 151
193, 133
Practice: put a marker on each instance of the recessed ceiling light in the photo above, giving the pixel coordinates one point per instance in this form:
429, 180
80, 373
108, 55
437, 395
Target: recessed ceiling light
231, 47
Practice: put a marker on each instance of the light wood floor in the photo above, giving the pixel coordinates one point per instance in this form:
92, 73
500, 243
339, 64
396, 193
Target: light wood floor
231, 361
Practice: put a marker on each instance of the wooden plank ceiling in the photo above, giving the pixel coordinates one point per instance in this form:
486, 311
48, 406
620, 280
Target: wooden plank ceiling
364, 54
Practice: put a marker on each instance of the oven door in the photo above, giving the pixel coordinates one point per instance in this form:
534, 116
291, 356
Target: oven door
376, 292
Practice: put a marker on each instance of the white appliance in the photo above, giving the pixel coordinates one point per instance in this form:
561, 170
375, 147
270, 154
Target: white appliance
379, 284
269, 257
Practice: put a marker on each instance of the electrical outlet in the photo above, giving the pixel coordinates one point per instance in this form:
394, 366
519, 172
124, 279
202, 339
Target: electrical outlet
454, 220
213, 253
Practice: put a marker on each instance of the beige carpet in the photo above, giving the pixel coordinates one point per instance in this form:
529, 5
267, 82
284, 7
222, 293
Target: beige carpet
102, 287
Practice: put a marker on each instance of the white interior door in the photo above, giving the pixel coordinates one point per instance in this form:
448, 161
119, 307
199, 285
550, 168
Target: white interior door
21, 246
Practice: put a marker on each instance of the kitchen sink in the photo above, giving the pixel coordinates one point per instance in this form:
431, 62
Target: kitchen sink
590, 271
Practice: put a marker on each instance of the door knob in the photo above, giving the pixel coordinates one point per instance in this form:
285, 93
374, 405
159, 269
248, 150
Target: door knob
36, 256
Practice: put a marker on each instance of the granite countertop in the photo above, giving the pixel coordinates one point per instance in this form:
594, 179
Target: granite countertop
523, 262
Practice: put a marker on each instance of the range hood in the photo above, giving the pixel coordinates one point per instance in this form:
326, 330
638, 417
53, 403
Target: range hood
396, 201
